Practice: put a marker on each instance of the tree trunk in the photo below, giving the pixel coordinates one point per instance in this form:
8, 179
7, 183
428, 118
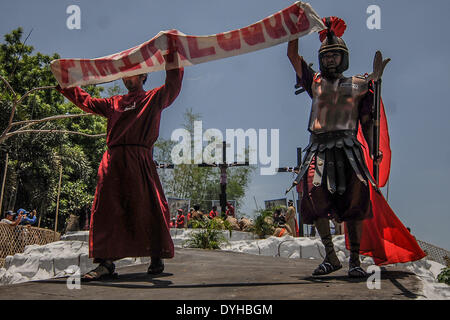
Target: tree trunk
3, 183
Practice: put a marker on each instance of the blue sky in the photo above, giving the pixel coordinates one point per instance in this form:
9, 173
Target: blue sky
256, 90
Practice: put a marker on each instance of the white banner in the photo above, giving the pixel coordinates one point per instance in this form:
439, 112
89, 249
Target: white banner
291, 23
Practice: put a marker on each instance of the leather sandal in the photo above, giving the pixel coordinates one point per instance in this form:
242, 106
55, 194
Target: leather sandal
357, 272
326, 268
102, 272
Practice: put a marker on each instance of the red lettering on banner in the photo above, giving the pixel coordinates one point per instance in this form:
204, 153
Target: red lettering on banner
277, 31
87, 68
175, 45
302, 23
127, 64
65, 65
197, 52
105, 67
148, 51
253, 34
229, 41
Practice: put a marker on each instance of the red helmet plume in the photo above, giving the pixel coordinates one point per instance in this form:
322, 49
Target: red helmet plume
335, 26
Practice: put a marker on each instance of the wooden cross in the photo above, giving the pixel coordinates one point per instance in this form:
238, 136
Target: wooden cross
223, 173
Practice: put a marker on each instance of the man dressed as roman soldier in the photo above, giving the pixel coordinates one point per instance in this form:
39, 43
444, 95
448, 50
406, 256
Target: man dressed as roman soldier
334, 180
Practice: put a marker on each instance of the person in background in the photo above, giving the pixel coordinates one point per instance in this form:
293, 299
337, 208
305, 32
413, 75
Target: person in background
291, 221
11, 218
197, 214
29, 218
230, 211
278, 218
214, 213
189, 217
180, 219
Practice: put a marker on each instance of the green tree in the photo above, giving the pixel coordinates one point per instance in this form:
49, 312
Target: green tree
36, 146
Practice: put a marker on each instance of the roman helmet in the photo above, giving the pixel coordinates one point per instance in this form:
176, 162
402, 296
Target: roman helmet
331, 41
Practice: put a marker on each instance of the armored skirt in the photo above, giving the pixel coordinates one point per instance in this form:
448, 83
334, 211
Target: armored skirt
333, 179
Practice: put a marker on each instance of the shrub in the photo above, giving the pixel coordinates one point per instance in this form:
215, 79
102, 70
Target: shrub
209, 235
263, 225
444, 276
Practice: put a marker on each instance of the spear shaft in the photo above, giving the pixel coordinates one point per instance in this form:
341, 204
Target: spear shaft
376, 128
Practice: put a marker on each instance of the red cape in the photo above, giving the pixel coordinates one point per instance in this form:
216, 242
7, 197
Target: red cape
384, 237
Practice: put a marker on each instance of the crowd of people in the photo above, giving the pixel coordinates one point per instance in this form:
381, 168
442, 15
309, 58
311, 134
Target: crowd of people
21, 217
284, 220
182, 219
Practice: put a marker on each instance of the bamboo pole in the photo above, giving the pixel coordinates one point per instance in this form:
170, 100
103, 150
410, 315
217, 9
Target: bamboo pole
3, 183
57, 200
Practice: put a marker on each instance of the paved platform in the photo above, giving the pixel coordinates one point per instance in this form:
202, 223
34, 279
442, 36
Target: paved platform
196, 274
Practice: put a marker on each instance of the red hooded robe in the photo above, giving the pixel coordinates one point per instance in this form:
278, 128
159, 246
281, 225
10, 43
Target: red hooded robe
130, 215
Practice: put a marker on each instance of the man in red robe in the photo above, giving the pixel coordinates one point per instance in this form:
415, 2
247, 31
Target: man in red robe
130, 216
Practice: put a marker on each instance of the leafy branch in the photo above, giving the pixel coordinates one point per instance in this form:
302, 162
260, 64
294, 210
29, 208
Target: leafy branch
7, 133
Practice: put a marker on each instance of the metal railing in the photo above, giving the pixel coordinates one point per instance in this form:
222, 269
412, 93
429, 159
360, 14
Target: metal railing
434, 253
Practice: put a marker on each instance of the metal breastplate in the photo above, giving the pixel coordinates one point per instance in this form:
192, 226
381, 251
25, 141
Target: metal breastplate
335, 104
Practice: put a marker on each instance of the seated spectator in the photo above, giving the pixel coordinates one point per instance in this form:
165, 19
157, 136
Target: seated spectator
197, 214
230, 211
29, 218
278, 218
279, 222
180, 219
214, 213
10, 216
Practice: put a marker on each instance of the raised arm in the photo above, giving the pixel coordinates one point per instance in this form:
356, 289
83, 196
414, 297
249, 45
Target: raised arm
17, 221
84, 101
172, 87
294, 57
305, 73
167, 93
